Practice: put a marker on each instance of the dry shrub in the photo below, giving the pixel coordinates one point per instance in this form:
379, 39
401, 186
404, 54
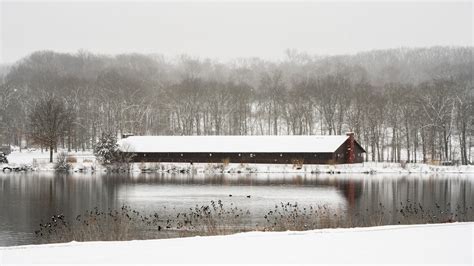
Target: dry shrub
62, 165
403, 164
35, 163
217, 219
226, 161
297, 163
127, 224
71, 159
93, 225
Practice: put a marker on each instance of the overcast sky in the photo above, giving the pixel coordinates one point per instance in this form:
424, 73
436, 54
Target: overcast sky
229, 30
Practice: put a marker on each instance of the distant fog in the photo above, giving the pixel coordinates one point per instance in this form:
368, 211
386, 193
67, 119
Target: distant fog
230, 30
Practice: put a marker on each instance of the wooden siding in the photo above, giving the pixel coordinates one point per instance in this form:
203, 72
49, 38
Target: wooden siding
338, 157
281, 158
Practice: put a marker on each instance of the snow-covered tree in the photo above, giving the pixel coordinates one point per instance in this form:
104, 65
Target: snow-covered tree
106, 148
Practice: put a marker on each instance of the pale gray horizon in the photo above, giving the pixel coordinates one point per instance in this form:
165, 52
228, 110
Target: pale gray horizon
231, 29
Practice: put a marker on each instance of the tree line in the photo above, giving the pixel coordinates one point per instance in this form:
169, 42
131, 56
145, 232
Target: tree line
402, 104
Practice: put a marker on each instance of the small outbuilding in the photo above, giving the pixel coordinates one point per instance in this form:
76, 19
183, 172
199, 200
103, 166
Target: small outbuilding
245, 149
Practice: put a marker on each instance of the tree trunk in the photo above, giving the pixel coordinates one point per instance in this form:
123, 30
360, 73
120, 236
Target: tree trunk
51, 147
464, 159
394, 148
407, 132
423, 145
445, 140
415, 144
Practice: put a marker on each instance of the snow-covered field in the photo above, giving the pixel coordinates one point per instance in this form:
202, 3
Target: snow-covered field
86, 161
446, 244
40, 160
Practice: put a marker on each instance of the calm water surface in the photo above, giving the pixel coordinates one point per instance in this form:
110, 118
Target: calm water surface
28, 199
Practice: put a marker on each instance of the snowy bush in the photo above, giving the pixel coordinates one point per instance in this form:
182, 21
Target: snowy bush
71, 159
62, 163
121, 161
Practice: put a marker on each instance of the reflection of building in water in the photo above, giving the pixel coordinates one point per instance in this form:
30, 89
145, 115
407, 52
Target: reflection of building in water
351, 190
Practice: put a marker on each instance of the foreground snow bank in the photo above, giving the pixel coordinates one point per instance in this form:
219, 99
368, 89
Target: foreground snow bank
408, 244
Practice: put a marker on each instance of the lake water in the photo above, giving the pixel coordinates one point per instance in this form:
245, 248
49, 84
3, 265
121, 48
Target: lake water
28, 199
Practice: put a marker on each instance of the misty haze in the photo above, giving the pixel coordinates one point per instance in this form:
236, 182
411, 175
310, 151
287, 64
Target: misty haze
154, 120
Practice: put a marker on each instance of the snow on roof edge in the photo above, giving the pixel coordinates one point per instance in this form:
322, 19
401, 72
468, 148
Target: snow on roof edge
244, 144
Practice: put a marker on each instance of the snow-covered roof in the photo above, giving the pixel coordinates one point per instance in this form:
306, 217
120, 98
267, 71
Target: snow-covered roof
244, 144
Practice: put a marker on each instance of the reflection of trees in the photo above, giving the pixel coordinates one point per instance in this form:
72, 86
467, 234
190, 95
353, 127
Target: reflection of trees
390, 194
27, 200
227, 179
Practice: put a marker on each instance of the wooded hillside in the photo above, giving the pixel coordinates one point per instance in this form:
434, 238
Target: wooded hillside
396, 101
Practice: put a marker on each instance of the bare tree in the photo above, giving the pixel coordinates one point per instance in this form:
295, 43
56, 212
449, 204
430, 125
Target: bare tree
464, 118
50, 119
273, 88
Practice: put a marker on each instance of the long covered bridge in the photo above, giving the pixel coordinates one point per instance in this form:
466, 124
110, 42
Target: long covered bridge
245, 149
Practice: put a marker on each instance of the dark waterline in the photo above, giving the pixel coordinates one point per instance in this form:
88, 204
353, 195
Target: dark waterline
28, 199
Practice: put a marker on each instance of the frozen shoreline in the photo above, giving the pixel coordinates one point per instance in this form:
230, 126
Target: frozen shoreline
86, 162
413, 244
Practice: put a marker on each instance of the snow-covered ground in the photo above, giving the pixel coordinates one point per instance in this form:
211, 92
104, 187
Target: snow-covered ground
39, 160
365, 168
446, 244
86, 160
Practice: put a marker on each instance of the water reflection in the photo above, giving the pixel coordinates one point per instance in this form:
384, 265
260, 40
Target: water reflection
27, 199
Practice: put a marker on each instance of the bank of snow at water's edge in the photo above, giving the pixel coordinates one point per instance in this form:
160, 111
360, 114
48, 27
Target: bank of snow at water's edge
87, 161
364, 168
412, 244
39, 160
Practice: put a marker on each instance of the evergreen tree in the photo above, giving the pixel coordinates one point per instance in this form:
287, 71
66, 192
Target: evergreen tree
106, 148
